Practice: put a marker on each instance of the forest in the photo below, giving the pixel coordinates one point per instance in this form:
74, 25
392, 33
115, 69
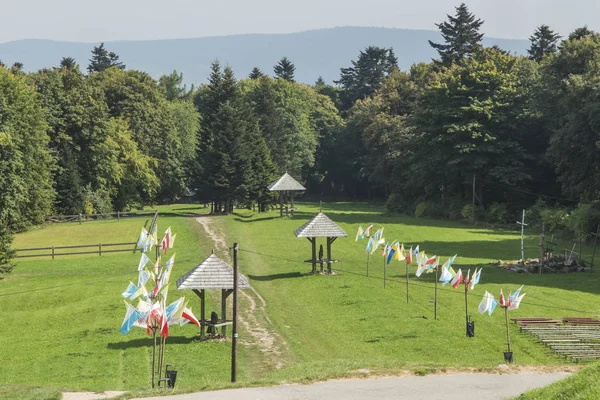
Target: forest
477, 132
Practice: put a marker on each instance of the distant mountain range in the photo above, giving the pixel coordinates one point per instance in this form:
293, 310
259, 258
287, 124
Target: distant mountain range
315, 53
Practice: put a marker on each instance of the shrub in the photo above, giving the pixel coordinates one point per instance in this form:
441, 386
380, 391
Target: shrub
584, 219
554, 218
453, 208
397, 204
498, 212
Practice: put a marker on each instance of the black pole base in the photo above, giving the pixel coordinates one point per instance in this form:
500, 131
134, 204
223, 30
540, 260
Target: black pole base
508, 357
470, 329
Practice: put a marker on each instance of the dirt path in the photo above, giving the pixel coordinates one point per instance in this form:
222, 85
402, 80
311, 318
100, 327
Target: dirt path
254, 318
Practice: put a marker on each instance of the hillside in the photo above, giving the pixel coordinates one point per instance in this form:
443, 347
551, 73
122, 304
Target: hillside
318, 52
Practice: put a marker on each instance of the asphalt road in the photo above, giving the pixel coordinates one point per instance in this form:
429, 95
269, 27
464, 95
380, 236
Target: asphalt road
430, 387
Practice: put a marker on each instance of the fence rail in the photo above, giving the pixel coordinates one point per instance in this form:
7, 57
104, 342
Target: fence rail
81, 218
99, 250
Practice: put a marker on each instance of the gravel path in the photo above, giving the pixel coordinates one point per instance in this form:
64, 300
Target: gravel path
447, 387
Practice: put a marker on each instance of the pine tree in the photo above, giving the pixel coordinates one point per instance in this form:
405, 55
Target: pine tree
69, 64
461, 36
581, 33
16, 67
103, 59
543, 41
366, 74
320, 82
255, 73
285, 69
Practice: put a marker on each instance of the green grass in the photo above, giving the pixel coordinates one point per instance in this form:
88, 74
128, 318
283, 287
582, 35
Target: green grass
61, 317
583, 385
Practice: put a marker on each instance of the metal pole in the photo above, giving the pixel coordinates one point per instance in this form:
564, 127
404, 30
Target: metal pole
368, 256
384, 271
542, 247
467, 306
435, 296
507, 332
595, 240
153, 355
522, 233
407, 282
234, 327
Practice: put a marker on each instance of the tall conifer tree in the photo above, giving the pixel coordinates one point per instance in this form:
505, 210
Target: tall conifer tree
284, 69
543, 41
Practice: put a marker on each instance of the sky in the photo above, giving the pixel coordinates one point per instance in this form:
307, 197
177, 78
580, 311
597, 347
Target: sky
108, 20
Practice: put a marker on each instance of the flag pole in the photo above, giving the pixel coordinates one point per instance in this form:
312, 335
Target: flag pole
507, 331
153, 354
435, 296
467, 307
406, 281
368, 256
384, 268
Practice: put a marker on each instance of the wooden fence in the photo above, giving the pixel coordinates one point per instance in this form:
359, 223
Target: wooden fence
54, 251
81, 218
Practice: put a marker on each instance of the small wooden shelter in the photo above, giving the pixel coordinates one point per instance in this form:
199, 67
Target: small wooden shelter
286, 186
212, 273
320, 226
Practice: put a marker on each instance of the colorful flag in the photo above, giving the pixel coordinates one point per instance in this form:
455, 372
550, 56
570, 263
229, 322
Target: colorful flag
457, 280
359, 234
446, 276
142, 238
515, 294
187, 314
367, 231
131, 316
409, 257
430, 261
502, 300
400, 252
466, 278
390, 255
370, 244
130, 291
492, 306
514, 304
475, 278
143, 261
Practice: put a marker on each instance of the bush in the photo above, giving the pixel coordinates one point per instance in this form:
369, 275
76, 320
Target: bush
426, 209
498, 212
554, 218
584, 219
397, 204
480, 214
96, 201
453, 208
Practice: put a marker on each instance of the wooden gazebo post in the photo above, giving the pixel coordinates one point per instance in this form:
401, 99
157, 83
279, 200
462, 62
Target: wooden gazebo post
320, 226
212, 273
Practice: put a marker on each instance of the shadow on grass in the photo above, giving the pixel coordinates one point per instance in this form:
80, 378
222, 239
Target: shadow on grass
145, 342
241, 219
276, 276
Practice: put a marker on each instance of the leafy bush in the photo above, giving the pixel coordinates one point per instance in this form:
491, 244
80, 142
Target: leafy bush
427, 209
584, 219
498, 212
554, 218
397, 204
453, 207
96, 201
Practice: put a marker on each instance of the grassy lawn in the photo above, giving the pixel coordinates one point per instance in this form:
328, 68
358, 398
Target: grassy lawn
582, 385
61, 317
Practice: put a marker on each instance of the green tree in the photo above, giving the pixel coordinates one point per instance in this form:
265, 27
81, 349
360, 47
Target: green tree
461, 36
103, 59
543, 41
366, 74
284, 69
581, 33
469, 118
255, 73
172, 86
573, 79
69, 63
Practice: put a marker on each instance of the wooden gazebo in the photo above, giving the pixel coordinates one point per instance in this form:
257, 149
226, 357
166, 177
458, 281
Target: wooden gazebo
286, 186
212, 273
320, 226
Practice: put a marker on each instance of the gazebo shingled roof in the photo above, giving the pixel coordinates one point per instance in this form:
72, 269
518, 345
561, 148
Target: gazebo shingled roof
212, 273
285, 183
320, 226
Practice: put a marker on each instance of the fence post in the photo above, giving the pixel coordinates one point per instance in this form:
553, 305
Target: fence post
53, 252
100, 249
79, 219
118, 216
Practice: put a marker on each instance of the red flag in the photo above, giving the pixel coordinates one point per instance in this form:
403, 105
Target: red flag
187, 314
409, 257
457, 280
430, 261
502, 300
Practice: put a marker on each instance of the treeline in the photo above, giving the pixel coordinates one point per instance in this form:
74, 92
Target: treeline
475, 126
